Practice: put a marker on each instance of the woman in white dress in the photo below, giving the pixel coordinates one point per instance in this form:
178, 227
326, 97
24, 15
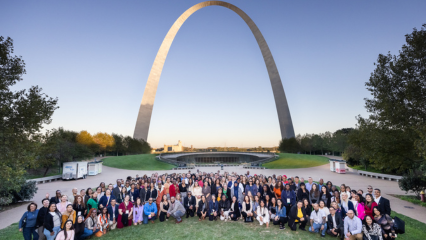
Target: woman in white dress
197, 192
263, 214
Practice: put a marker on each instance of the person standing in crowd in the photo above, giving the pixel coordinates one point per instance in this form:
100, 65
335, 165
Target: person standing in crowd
198, 192
288, 197
247, 209
40, 218
234, 212
202, 208
133, 193
213, 208
237, 193
150, 211
57, 198
346, 205
68, 214
176, 210
297, 215
189, 204
73, 195
164, 207
281, 215
314, 194
369, 191
138, 212
117, 189
174, 189
207, 191
360, 209
144, 192
369, 205
28, 222
52, 222
325, 196
263, 214
79, 206
93, 201
335, 224
308, 209
251, 188
383, 204
309, 184
385, 222
167, 188
79, 228
302, 192
91, 224
113, 214
371, 229
125, 211
352, 226
122, 195
62, 206
105, 200
318, 220
67, 232
183, 188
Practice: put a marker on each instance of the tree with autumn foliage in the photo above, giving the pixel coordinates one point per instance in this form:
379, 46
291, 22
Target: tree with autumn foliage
105, 141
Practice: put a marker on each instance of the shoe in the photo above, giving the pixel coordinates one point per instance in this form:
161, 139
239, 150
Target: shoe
187, 216
152, 221
303, 229
177, 222
281, 227
322, 235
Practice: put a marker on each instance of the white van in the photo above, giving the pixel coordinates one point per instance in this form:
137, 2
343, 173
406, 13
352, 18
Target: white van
74, 170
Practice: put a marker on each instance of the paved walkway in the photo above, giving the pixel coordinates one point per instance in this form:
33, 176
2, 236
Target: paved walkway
109, 175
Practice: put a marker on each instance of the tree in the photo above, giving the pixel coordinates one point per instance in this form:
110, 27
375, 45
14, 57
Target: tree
86, 139
289, 145
390, 135
318, 143
22, 115
306, 143
119, 143
104, 141
414, 181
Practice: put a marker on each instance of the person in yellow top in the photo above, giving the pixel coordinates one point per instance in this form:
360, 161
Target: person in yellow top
69, 214
296, 215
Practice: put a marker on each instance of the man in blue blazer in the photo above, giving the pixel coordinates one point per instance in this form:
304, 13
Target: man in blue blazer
113, 213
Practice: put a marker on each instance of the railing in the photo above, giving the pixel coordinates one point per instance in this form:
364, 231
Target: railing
46, 179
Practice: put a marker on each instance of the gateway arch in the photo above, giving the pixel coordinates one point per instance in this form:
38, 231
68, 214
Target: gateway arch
147, 104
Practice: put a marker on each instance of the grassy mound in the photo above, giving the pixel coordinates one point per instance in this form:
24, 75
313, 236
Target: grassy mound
136, 162
290, 160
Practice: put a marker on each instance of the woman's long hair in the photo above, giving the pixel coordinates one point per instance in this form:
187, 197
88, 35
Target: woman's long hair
89, 214
56, 210
65, 228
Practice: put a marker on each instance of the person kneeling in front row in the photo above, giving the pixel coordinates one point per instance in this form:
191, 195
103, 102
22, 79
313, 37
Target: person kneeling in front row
318, 220
296, 215
334, 224
281, 216
352, 226
149, 211
176, 210
189, 204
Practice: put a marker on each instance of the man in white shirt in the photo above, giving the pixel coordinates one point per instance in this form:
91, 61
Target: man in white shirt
352, 226
318, 221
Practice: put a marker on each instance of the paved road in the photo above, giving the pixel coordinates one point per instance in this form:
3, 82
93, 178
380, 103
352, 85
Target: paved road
109, 175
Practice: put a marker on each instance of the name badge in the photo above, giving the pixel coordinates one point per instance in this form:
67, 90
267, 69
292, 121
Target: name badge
288, 200
79, 213
127, 211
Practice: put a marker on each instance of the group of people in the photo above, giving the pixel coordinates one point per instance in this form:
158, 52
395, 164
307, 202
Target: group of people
328, 209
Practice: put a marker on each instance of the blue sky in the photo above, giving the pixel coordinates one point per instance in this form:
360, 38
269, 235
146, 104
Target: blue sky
95, 56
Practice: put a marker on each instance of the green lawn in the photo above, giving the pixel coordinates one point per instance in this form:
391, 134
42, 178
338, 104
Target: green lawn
290, 160
193, 229
412, 199
137, 162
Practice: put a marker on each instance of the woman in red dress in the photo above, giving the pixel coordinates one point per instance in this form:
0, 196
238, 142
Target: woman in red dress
125, 209
369, 205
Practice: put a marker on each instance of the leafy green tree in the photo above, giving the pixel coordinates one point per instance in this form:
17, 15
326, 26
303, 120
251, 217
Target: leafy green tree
289, 145
318, 143
119, 143
22, 115
397, 107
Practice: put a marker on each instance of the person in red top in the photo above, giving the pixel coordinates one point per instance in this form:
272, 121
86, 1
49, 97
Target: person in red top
369, 205
125, 209
174, 189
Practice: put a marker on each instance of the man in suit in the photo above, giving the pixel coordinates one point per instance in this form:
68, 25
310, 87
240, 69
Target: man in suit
189, 204
334, 224
113, 214
117, 190
57, 198
143, 193
383, 204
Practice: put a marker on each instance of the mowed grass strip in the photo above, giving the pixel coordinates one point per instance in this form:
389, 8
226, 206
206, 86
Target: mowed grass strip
290, 160
137, 162
191, 228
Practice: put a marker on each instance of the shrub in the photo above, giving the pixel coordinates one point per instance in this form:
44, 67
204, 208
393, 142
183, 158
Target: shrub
413, 181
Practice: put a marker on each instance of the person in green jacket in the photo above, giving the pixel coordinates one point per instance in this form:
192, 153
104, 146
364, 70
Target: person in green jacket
93, 202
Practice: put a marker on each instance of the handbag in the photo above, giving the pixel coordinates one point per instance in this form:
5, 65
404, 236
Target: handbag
372, 237
399, 225
24, 222
125, 219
